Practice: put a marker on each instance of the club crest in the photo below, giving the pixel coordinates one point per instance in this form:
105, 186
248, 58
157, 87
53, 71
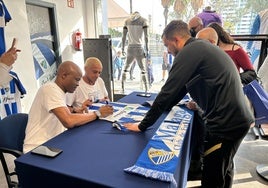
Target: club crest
160, 156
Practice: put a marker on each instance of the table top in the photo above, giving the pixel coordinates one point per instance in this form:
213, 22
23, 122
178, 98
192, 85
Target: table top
97, 153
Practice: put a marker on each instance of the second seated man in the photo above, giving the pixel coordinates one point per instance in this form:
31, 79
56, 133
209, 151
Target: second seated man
91, 86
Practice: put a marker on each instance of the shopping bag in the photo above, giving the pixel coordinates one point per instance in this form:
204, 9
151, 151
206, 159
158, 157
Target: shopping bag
259, 99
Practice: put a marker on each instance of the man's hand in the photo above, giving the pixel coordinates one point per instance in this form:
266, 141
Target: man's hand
87, 103
192, 105
106, 110
9, 57
132, 127
83, 108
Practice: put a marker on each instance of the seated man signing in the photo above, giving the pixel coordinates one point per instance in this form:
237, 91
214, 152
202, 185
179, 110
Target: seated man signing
49, 114
91, 87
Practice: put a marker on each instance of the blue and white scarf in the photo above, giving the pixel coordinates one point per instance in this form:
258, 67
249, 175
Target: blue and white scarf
161, 155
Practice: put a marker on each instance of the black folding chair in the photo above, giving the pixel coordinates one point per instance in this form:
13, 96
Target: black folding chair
12, 134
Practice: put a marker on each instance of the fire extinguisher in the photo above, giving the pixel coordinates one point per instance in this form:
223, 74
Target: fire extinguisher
77, 40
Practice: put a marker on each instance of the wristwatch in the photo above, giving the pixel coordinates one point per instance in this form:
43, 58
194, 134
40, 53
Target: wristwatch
98, 114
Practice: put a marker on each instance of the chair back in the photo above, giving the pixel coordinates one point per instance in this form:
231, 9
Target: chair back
12, 131
12, 134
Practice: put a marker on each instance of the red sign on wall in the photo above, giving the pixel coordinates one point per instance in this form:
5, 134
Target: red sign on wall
70, 3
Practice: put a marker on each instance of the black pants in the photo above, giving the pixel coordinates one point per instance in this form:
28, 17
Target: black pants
198, 147
218, 169
197, 144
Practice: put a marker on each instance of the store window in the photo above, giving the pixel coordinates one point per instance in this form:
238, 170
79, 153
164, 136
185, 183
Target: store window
237, 17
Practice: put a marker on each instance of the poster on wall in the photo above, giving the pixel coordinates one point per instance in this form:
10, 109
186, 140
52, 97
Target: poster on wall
42, 41
44, 58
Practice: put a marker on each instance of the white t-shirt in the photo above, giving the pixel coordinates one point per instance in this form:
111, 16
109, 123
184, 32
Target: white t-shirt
42, 123
85, 91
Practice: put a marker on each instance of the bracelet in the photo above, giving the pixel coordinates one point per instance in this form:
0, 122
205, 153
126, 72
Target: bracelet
97, 113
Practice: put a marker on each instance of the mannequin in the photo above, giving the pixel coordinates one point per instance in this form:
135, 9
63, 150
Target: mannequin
135, 28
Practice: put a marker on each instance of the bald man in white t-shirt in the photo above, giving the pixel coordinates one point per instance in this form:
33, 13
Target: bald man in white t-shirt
49, 114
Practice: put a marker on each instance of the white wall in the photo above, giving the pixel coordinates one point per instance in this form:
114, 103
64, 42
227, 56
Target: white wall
68, 19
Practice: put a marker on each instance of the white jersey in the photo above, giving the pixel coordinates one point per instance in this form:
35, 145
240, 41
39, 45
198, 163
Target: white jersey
10, 94
42, 123
85, 91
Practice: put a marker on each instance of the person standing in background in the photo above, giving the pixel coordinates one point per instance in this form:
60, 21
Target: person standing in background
195, 25
135, 28
208, 34
166, 65
237, 53
118, 64
209, 16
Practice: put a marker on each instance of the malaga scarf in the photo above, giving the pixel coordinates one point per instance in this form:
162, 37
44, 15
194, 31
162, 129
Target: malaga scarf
161, 155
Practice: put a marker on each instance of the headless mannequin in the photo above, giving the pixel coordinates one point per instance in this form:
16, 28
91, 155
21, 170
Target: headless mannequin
136, 27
